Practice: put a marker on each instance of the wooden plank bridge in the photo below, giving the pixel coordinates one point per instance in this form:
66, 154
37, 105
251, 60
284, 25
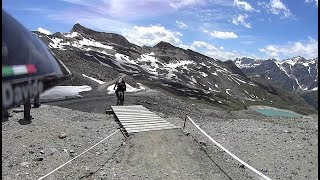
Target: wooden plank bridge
137, 118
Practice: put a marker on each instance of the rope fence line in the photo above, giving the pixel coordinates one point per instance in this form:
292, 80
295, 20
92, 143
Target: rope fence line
78, 155
224, 149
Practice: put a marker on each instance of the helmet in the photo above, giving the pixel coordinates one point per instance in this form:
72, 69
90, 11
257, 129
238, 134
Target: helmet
29, 67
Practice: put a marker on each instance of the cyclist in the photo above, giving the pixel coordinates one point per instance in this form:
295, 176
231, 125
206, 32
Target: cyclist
121, 86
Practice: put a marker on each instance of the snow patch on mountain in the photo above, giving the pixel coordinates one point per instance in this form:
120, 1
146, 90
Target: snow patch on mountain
88, 42
84, 44
181, 63
252, 64
96, 80
281, 68
44, 31
124, 63
63, 92
203, 74
124, 59
193, 80
227, 91
305, 64
55, 43
71, 35
129, 88
215, 73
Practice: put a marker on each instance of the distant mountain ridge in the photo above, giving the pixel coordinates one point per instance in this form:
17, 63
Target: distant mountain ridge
295, 74
184, 72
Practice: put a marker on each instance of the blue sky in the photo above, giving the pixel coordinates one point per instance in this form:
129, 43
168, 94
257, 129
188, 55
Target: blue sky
223, 29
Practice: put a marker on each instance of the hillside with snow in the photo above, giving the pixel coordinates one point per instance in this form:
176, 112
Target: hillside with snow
181, 71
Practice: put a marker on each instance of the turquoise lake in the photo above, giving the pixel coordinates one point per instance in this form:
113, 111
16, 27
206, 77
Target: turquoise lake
278, 112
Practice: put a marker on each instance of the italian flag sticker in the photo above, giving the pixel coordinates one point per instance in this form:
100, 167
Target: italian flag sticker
18, 70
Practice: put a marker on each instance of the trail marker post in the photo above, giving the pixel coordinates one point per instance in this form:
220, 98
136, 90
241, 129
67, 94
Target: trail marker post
185, 120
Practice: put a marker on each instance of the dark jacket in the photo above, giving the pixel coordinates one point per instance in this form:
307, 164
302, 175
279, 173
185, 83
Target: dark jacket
120, 86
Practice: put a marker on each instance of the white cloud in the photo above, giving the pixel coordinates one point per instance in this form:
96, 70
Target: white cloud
223, 55
223, 35
271, 51
241, 19
125, 9
178, 4
40, 10
186, 47
310, 1
243, 5
79, 2
181, 25
210, 14
202, 44
307, 49
152, 35
214, 52
205, 31
276, 7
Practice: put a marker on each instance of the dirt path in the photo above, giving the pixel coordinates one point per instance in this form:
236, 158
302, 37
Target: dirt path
165, 154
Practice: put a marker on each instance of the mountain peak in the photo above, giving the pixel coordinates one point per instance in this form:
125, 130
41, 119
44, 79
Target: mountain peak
296, 59
79, 28
163, 44
101, 36
299, 58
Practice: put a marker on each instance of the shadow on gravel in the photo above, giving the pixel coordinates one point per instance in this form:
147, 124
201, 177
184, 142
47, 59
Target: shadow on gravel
24, 122
5, 119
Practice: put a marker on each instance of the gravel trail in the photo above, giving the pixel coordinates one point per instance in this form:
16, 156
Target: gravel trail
281, 148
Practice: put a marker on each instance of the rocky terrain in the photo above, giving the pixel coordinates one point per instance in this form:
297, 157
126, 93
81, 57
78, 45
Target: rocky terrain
281, 148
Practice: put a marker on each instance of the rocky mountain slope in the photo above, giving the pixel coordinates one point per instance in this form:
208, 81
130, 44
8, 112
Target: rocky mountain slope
296, 74
183, 72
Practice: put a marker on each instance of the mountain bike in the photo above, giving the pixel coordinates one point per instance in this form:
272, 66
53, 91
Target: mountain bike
120, 98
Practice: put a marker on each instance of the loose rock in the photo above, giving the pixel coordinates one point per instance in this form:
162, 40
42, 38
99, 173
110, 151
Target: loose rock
62, 135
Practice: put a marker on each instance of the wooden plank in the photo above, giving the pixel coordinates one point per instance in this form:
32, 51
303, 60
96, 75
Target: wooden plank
126, 113
147, 125
148, 128
128, 107
140, 116
155, 129
143, 121
137, 115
